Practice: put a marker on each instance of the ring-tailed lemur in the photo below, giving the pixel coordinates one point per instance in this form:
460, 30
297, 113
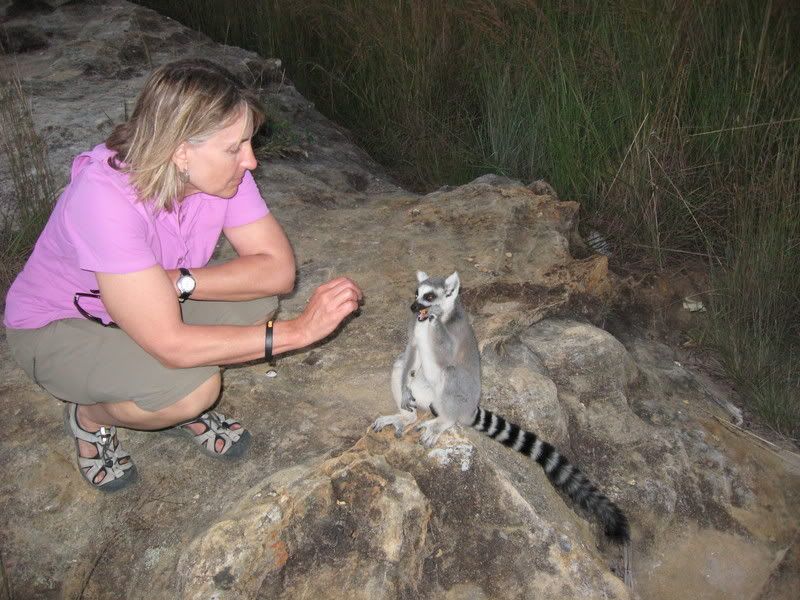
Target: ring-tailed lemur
440, 371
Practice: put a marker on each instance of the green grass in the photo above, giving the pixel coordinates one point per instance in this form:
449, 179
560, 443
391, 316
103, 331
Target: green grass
675, 124
23, 218
756, 305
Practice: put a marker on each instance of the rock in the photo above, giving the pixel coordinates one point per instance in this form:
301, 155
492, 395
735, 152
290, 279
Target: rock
355, 522
383, 520
16, 8
541, 188
22, 38
519, 387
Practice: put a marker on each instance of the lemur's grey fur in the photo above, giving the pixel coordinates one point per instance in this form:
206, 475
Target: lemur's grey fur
440, 371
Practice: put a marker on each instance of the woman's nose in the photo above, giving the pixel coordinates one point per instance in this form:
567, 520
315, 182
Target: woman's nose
249, 161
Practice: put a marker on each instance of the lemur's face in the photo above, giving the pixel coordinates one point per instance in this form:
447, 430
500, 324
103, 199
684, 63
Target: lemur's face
435, 296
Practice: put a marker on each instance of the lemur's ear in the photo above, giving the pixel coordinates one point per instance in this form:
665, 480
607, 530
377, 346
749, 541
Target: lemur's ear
421, 276
452, 284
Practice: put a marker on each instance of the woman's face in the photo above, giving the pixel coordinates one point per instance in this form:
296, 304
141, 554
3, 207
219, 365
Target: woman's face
217, 165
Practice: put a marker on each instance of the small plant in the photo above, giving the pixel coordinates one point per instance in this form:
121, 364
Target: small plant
278, 139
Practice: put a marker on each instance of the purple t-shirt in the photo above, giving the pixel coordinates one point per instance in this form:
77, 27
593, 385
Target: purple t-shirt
98, 225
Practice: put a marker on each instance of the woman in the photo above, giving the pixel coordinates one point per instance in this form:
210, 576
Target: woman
117, 311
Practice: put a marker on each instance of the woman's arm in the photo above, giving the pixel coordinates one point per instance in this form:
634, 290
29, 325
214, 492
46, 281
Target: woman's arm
265, 265
143, 304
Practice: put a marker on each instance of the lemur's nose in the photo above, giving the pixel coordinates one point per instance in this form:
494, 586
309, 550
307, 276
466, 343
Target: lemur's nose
416, 306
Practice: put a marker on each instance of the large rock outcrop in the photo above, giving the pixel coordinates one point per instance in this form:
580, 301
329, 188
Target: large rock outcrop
322, 507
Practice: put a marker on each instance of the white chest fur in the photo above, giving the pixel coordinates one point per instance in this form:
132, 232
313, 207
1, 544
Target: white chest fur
427, 356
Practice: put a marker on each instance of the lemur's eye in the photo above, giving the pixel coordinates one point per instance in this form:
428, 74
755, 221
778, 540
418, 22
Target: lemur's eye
429, 297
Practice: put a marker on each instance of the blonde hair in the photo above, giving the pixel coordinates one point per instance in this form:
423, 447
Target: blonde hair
183, 101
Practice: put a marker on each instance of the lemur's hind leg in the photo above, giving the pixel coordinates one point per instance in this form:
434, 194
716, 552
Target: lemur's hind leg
411, 391
405, 402
432, 429
451, 404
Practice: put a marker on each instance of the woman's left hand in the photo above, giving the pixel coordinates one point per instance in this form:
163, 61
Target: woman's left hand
327, 308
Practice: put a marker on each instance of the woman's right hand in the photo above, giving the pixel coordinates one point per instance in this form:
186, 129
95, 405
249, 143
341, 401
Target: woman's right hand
327, 308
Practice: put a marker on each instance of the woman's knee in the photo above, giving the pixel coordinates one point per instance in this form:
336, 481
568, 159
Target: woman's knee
201, 398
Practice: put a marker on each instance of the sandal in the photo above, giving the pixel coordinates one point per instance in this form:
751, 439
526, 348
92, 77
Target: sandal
111, 460
217, 427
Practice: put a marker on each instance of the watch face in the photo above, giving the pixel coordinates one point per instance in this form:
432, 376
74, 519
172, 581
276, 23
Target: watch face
186, 284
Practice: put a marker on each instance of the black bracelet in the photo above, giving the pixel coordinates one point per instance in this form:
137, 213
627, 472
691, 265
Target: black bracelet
268, 342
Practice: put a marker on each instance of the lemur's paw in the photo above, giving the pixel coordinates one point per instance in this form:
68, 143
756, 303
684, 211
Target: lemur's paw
431, 430
434, 312
429, 438
399, 423
381, 422
409, 403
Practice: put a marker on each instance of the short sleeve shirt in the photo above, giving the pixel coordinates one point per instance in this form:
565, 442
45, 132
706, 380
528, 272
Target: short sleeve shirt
99, 225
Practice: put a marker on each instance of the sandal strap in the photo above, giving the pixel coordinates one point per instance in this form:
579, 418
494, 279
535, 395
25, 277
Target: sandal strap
113, 468
103, 436
109, 452
218, 426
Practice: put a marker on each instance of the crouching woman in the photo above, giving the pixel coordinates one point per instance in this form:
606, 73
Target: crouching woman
118, 312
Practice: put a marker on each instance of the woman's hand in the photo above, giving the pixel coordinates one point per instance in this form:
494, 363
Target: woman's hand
328, 306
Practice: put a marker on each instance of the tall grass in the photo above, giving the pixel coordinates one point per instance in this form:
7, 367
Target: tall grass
676, 124
756, 306
24, 215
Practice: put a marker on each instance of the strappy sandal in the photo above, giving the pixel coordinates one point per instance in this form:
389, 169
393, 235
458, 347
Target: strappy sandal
110, 460
217, 427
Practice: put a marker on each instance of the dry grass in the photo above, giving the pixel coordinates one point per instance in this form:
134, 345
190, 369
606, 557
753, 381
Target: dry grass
22, 219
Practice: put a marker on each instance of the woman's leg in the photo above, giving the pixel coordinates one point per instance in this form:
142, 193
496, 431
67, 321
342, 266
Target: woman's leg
128, 414
115, 383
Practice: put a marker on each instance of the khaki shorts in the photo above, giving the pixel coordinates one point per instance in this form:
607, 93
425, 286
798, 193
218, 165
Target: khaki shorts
83, 362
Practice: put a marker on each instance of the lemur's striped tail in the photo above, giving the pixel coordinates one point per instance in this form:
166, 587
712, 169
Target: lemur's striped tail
560, 473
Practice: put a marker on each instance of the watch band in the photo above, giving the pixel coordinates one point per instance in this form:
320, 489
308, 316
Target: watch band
185, 273
268, 342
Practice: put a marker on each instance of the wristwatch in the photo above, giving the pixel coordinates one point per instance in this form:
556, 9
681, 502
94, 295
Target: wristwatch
186, 284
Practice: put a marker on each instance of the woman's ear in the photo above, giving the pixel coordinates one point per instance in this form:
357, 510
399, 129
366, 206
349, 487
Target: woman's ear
181, 157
